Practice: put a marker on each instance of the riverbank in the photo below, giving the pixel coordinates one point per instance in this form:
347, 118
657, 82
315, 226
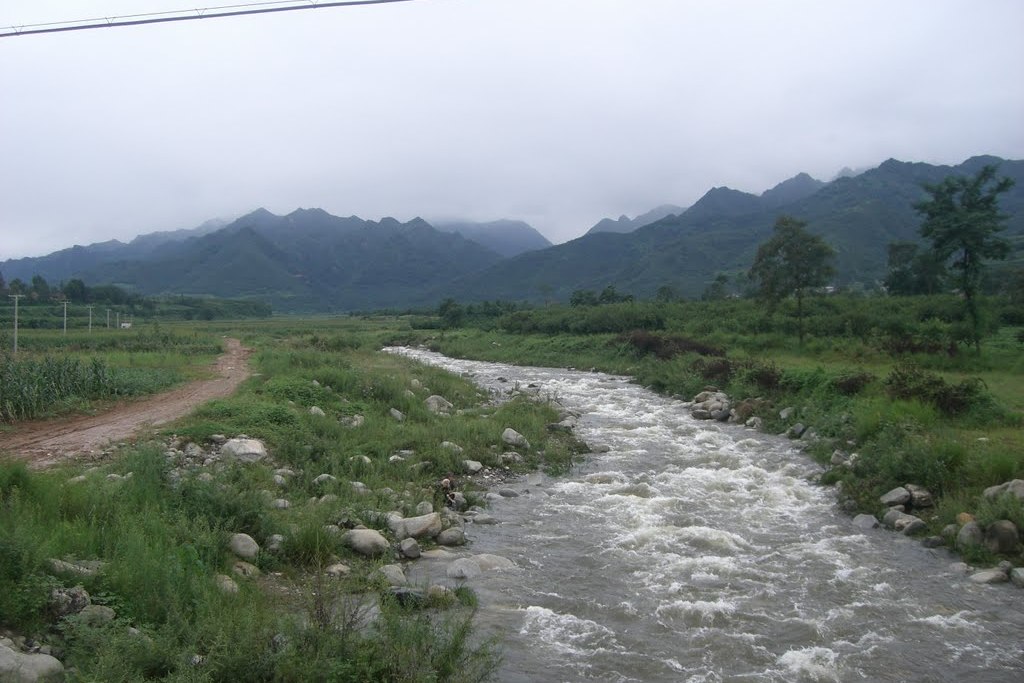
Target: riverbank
257, 538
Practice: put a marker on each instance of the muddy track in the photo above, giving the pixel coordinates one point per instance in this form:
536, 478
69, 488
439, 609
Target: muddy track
47, 442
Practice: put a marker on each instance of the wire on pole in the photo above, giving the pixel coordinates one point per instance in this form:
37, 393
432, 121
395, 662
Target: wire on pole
182, 15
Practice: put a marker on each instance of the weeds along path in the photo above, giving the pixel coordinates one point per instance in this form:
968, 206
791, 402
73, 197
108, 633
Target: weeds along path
48, 442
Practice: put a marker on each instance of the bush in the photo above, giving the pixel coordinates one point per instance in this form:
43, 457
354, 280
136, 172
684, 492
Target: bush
911, 382
665, 347
852, 383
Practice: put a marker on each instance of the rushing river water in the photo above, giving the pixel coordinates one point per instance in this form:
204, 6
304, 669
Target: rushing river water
699, 551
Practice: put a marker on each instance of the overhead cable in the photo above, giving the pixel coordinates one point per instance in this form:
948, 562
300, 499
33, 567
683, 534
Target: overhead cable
182, 15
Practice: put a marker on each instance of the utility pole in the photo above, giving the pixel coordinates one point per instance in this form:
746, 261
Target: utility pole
90, 307
15, 297
118, 319
65, 317
108, 318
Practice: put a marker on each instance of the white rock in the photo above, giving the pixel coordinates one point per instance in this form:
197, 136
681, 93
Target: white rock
245, 450
514, 438
19, 667
366, 542
244, 546
317, 411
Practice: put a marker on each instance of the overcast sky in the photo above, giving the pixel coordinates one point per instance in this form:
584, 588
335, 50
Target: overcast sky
556, 112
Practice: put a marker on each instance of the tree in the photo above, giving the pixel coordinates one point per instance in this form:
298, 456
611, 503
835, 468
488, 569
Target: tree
913, 271
40, 288
451, 313
75, 290
717, 289
582, 297
962, 221
792, 262
665, 294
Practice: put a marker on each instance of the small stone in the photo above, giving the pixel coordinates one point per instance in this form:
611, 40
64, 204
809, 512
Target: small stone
226, 584
438, 404
514, 438
865, 522
472, 466
397, 414
409, 548
322, 479
1017, 577
933, 542
317, 411
963, 518
274, 542
280, 504
245, 570
508, 493
394, 574
337, 569
898, 496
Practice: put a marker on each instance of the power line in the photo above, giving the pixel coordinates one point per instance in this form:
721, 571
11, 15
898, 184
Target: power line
182, 15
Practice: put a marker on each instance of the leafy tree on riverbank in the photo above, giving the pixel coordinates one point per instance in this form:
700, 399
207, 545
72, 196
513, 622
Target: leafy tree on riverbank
963, 222
792, 262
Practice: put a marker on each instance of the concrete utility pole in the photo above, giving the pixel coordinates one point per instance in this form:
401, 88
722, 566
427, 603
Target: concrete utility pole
118, 319
90, 307
65, 317
108, 318
15, 297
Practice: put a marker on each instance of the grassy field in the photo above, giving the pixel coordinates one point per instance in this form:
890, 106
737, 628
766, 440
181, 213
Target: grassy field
159, 524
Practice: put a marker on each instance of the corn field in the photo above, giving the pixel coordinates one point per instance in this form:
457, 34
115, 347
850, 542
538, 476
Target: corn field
32, 388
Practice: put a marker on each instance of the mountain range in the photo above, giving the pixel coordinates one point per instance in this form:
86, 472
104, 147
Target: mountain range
311, 261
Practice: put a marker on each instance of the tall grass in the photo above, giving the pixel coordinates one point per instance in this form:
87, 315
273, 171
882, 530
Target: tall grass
31, 388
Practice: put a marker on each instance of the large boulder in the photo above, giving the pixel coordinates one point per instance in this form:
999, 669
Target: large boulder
244, 450
969, 536
920, 497
244, 546
22, 667
368, 542
1002, 537
424, 526
65, 601
1015, 488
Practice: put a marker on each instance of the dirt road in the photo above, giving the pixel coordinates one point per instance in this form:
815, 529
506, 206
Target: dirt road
48, 442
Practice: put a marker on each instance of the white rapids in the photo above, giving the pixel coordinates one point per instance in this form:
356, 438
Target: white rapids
703, 552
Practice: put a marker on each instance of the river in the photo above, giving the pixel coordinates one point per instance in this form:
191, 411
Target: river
703, 552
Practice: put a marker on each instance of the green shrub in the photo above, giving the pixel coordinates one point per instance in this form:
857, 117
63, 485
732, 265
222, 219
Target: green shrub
911, 382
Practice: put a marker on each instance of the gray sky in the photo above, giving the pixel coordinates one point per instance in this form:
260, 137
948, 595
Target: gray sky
556, 112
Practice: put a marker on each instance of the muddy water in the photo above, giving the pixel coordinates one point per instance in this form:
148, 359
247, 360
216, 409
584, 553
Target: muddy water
697, 551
